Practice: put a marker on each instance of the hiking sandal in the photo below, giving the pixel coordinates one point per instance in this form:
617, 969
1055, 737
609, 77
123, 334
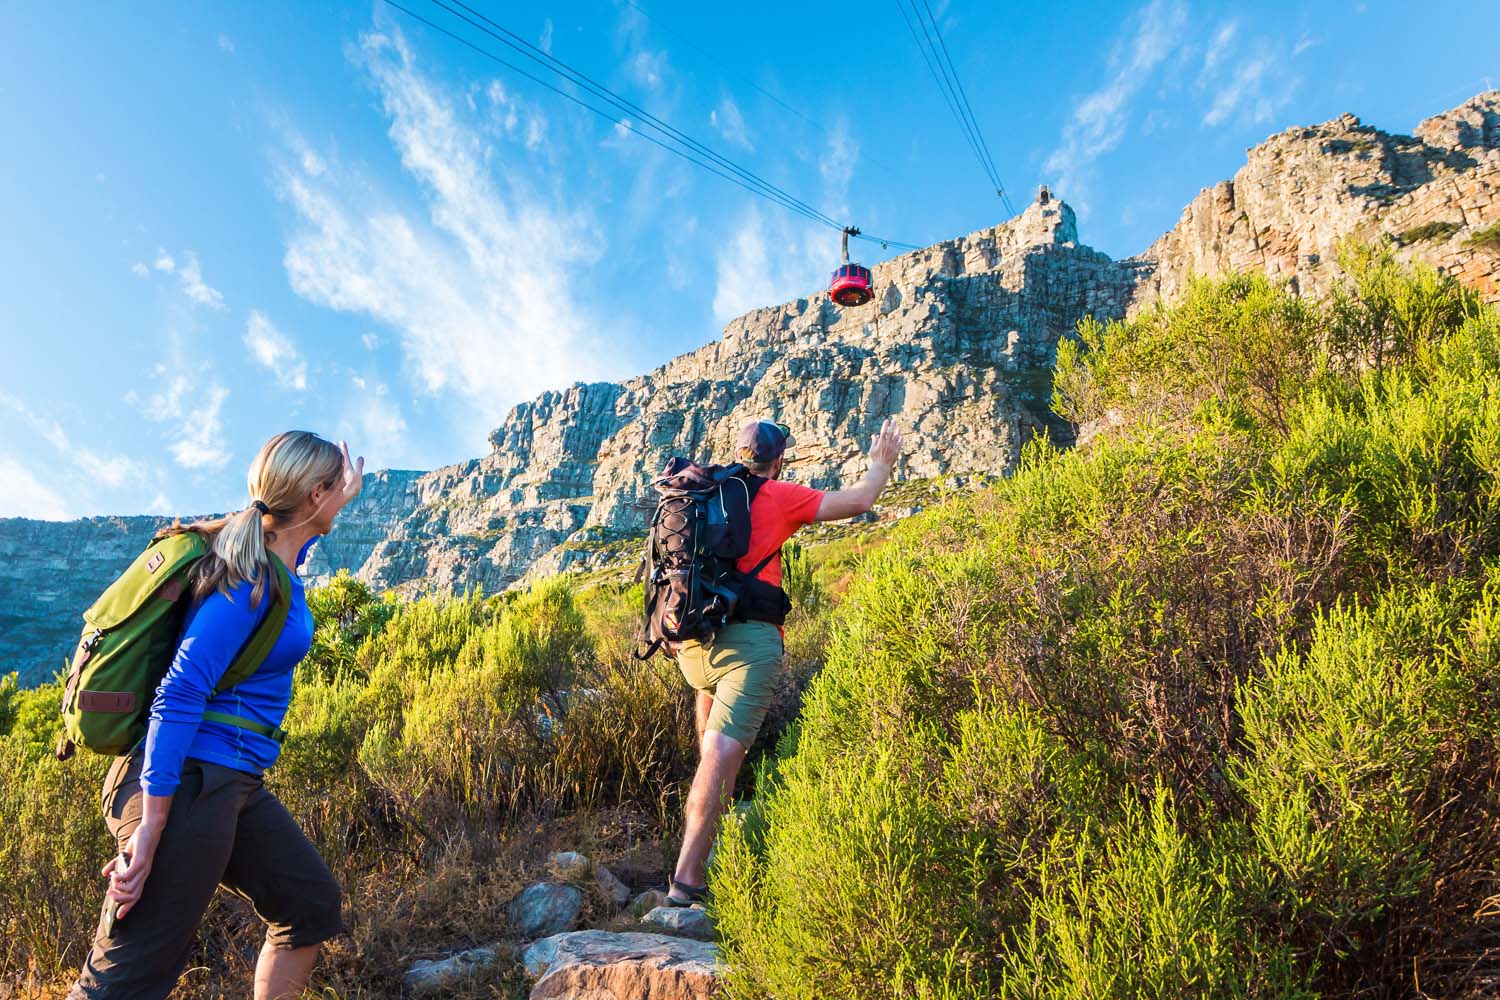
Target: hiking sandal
690, 894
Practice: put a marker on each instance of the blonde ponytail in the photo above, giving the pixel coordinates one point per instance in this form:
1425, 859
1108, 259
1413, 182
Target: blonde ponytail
282, 477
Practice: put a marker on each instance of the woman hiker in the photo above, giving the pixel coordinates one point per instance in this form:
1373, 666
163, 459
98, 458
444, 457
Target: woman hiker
188, 807
734, 674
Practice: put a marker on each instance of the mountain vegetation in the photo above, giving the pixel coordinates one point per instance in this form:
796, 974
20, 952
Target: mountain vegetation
1203, 707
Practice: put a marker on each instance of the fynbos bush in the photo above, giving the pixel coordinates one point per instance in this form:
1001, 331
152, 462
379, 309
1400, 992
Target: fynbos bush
1206, 708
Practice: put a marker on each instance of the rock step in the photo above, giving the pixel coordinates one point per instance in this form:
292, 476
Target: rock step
603, 965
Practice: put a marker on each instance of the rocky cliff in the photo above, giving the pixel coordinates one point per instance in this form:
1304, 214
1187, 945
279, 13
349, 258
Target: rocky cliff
1302, 191
49, 573
959, 344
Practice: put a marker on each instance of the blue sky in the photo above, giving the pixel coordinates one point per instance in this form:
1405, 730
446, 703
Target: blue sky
223, 220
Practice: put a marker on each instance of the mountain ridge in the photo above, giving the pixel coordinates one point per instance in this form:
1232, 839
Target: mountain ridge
959, 344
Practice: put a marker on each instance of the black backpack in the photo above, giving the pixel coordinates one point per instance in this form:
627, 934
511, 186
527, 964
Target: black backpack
701, 527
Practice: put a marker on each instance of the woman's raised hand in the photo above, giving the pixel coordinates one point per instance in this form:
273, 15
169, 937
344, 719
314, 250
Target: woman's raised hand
354, 474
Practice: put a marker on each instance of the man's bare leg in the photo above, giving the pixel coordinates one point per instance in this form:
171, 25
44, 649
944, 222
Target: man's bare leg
281, 973
701, 707
718, 765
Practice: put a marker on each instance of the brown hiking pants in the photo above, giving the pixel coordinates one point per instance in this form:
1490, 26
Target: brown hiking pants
224, 829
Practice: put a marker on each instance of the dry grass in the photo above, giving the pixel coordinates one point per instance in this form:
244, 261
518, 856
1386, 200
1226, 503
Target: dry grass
410, 911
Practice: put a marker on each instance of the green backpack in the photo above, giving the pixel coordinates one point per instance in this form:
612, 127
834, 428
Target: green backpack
129, 638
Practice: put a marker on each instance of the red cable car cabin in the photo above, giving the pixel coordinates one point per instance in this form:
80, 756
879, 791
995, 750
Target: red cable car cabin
850, 284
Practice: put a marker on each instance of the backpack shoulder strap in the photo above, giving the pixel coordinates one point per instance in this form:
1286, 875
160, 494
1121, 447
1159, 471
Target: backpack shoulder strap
248, 660
763, 564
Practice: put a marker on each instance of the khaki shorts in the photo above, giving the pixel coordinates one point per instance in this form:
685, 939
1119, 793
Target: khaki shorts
739, 669
224, 829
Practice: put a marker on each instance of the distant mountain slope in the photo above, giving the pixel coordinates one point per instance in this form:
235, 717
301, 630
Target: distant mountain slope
959, 344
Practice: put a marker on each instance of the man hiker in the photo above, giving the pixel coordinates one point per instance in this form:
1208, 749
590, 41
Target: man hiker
733, 673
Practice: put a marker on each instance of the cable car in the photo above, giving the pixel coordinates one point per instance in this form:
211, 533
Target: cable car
851, 284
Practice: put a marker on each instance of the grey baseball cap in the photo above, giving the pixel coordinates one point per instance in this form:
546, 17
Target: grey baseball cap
763, 441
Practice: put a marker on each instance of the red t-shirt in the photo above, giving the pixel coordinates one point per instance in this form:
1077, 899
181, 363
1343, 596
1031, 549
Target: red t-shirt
778, 510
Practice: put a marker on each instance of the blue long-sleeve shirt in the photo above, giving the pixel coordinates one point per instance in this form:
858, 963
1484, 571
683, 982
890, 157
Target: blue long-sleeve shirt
214, 631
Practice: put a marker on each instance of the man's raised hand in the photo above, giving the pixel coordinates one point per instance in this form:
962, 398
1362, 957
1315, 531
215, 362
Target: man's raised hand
885, 447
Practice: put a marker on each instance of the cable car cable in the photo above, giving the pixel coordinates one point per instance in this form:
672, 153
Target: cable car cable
945, 75
944, 61
770, 193
942, 88
946, 80
538, 55
809, 119
612, 119
968, 107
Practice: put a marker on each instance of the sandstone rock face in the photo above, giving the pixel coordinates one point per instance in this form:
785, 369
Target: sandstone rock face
959, 344
599, 965
50, 573
386, 497
1302, 191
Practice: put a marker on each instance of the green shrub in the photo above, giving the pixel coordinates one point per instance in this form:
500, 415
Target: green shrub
1351, 749
1141, 908
1206, 709
1241, 344
1434, 230
1384, 312
1487, 238
346, 613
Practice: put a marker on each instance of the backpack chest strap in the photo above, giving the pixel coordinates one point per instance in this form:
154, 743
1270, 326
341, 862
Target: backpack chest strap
240, 722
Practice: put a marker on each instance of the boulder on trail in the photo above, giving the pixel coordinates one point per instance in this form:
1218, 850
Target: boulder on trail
568, 865
545, 908
599, 965
646, 902
610, 886
689, 921
443, 974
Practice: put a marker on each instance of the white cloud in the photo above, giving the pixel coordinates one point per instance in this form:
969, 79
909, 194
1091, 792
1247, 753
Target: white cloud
313, 164
545, 42
838, 161
1219, 45
1243, 91
193, 413
370, 340
729, 122
766, 261
776, 257
1099, 118
512, 117
648, 67
376, 422
23, 495
160, 505
226, 43
190, 275
140, 270
274, 351
108, 470
481, 292
1252, 87
1303, 44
